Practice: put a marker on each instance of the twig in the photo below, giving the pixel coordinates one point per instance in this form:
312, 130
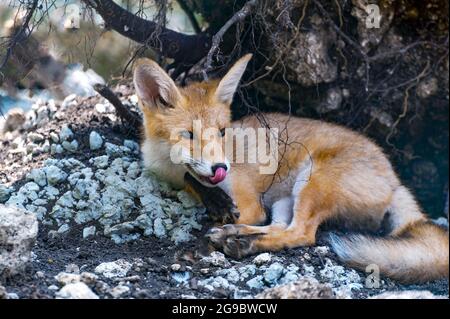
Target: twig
131, 117
217, 38
19, 35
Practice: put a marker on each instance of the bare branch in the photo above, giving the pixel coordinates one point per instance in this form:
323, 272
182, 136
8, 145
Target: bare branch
122, 111
169, 43
217, 38
21, 34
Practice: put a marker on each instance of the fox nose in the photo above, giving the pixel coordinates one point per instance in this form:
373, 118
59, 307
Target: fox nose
217, 166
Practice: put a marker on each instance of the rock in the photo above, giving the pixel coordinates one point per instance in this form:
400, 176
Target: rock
119, 291
54, 137
67, 278
175, 267
261, 259
38, 176
68, 101
35, 137
5, 193
18, 231
256, 282
95, 141
14, 120
304, 288
427, 87
216, 259
65, 134
322, 250
273, 273
77, 290
332, 101
412, 294
70, 146
89, 231
118, 268
54, 174
73, 268
56, 149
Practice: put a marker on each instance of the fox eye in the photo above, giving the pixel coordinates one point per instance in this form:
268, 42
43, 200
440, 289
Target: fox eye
187, 134
222, 132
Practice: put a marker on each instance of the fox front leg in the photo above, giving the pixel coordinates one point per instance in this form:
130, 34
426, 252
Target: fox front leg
219, 205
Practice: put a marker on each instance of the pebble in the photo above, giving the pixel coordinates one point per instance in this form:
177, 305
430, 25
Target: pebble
89, 231
77, 290
118, 268
65, 134
261, 259
273, 273
5, 193
95, 141
216, 259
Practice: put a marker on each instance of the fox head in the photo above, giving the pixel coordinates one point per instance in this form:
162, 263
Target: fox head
189, 121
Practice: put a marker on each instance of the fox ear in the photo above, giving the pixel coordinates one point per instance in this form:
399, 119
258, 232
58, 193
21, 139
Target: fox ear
229, 83
153, 85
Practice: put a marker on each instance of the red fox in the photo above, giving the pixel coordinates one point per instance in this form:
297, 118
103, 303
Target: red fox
324, 173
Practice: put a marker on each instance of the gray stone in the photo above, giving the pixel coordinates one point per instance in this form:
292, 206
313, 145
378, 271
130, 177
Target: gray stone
70, 146
38, 176
35, 137
114, 269
95, 141
216, 259
65, 134
54, 175
305, 288
273, 273
261, 259
5, 193
18, 231
412, 294
256, 282
89, 231
77, 290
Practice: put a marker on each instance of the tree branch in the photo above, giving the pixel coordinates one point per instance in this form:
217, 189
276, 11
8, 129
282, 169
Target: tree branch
20, 35
186, 49
217, 38
122, 111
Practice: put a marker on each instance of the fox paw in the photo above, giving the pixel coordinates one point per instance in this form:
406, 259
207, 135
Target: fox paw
233, 240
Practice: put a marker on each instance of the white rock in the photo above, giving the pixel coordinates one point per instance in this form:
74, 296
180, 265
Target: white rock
273, 273
118, 268
216, 259
89, 231
70, 146
77, 290
68, 101
261, 259
35, 137
95, 141
65, 134
18, 229
412, 294
119, 290
54, 175
67, 278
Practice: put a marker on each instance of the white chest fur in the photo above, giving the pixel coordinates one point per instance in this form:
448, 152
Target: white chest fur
156, 155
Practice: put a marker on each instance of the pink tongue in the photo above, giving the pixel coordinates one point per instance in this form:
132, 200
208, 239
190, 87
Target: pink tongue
218, 176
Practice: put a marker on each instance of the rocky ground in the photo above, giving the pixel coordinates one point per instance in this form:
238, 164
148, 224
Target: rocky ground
108, 229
